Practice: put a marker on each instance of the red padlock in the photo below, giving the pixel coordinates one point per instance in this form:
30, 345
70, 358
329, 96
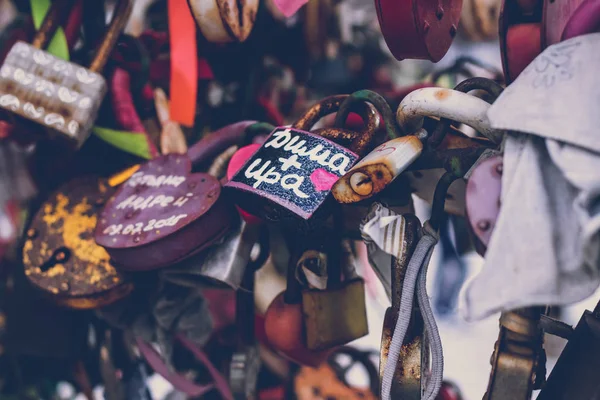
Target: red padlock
520, 37
418, 29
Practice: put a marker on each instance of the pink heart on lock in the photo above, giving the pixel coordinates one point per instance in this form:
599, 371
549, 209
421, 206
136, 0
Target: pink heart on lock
323, 180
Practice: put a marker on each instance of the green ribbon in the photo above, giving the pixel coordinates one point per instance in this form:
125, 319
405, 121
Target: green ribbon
130, 142
58, 45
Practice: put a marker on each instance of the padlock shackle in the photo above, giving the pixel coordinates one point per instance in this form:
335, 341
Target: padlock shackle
56, 15
445, 103
491, 87
380, 104
120, 17
332, 104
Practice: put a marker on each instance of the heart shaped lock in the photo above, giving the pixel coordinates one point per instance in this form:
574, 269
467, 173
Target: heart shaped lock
163, 214
60, 256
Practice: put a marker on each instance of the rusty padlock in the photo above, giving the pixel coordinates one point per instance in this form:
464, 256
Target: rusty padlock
61, 96
224, 21
336, 314
418, 29
291, 175
155, 218
408, 379
440, 103
60, 255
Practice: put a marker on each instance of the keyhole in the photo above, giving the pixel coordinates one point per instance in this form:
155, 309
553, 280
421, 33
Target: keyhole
60, 256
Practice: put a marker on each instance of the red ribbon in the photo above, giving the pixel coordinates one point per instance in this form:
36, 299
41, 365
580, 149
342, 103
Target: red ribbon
184, 63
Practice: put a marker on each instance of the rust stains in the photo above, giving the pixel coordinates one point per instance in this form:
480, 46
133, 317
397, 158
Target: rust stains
442, 94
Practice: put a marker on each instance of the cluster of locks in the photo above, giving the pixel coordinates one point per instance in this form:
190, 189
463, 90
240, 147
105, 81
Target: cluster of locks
185, 193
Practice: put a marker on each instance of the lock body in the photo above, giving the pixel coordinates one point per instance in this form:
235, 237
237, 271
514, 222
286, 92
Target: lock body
60, 255
335, 317
291, 175
575, 375
59, 95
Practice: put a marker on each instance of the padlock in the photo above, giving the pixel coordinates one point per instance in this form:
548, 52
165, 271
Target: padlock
584, 19
479, 19
408, 378
224, 21
245, 361
418, 29
291, 175
574, 374
555, 18
460, 149
482, 201
377, 169
518, 361
284, 325
60, 255
61, 96
154, 219
336, 315
520, 35
224, 264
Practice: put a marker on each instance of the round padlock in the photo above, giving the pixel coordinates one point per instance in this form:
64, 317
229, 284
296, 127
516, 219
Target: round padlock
483, 200
60, 255
418, 29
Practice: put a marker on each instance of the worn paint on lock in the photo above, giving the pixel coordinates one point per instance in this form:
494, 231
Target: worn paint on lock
293, 169
223, 21
377, 170
59, 95
161, 199
60, 255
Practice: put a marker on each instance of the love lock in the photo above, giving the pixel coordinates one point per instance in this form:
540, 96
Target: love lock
418, 29
520, 35
291, 175
335, 314
484, 187
224, 21
60, 256
61, 96
164, 214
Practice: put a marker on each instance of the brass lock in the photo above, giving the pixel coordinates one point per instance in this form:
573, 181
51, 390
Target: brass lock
336, 315
59, 95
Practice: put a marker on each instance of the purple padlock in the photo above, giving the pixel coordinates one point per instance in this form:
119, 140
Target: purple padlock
483, 200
